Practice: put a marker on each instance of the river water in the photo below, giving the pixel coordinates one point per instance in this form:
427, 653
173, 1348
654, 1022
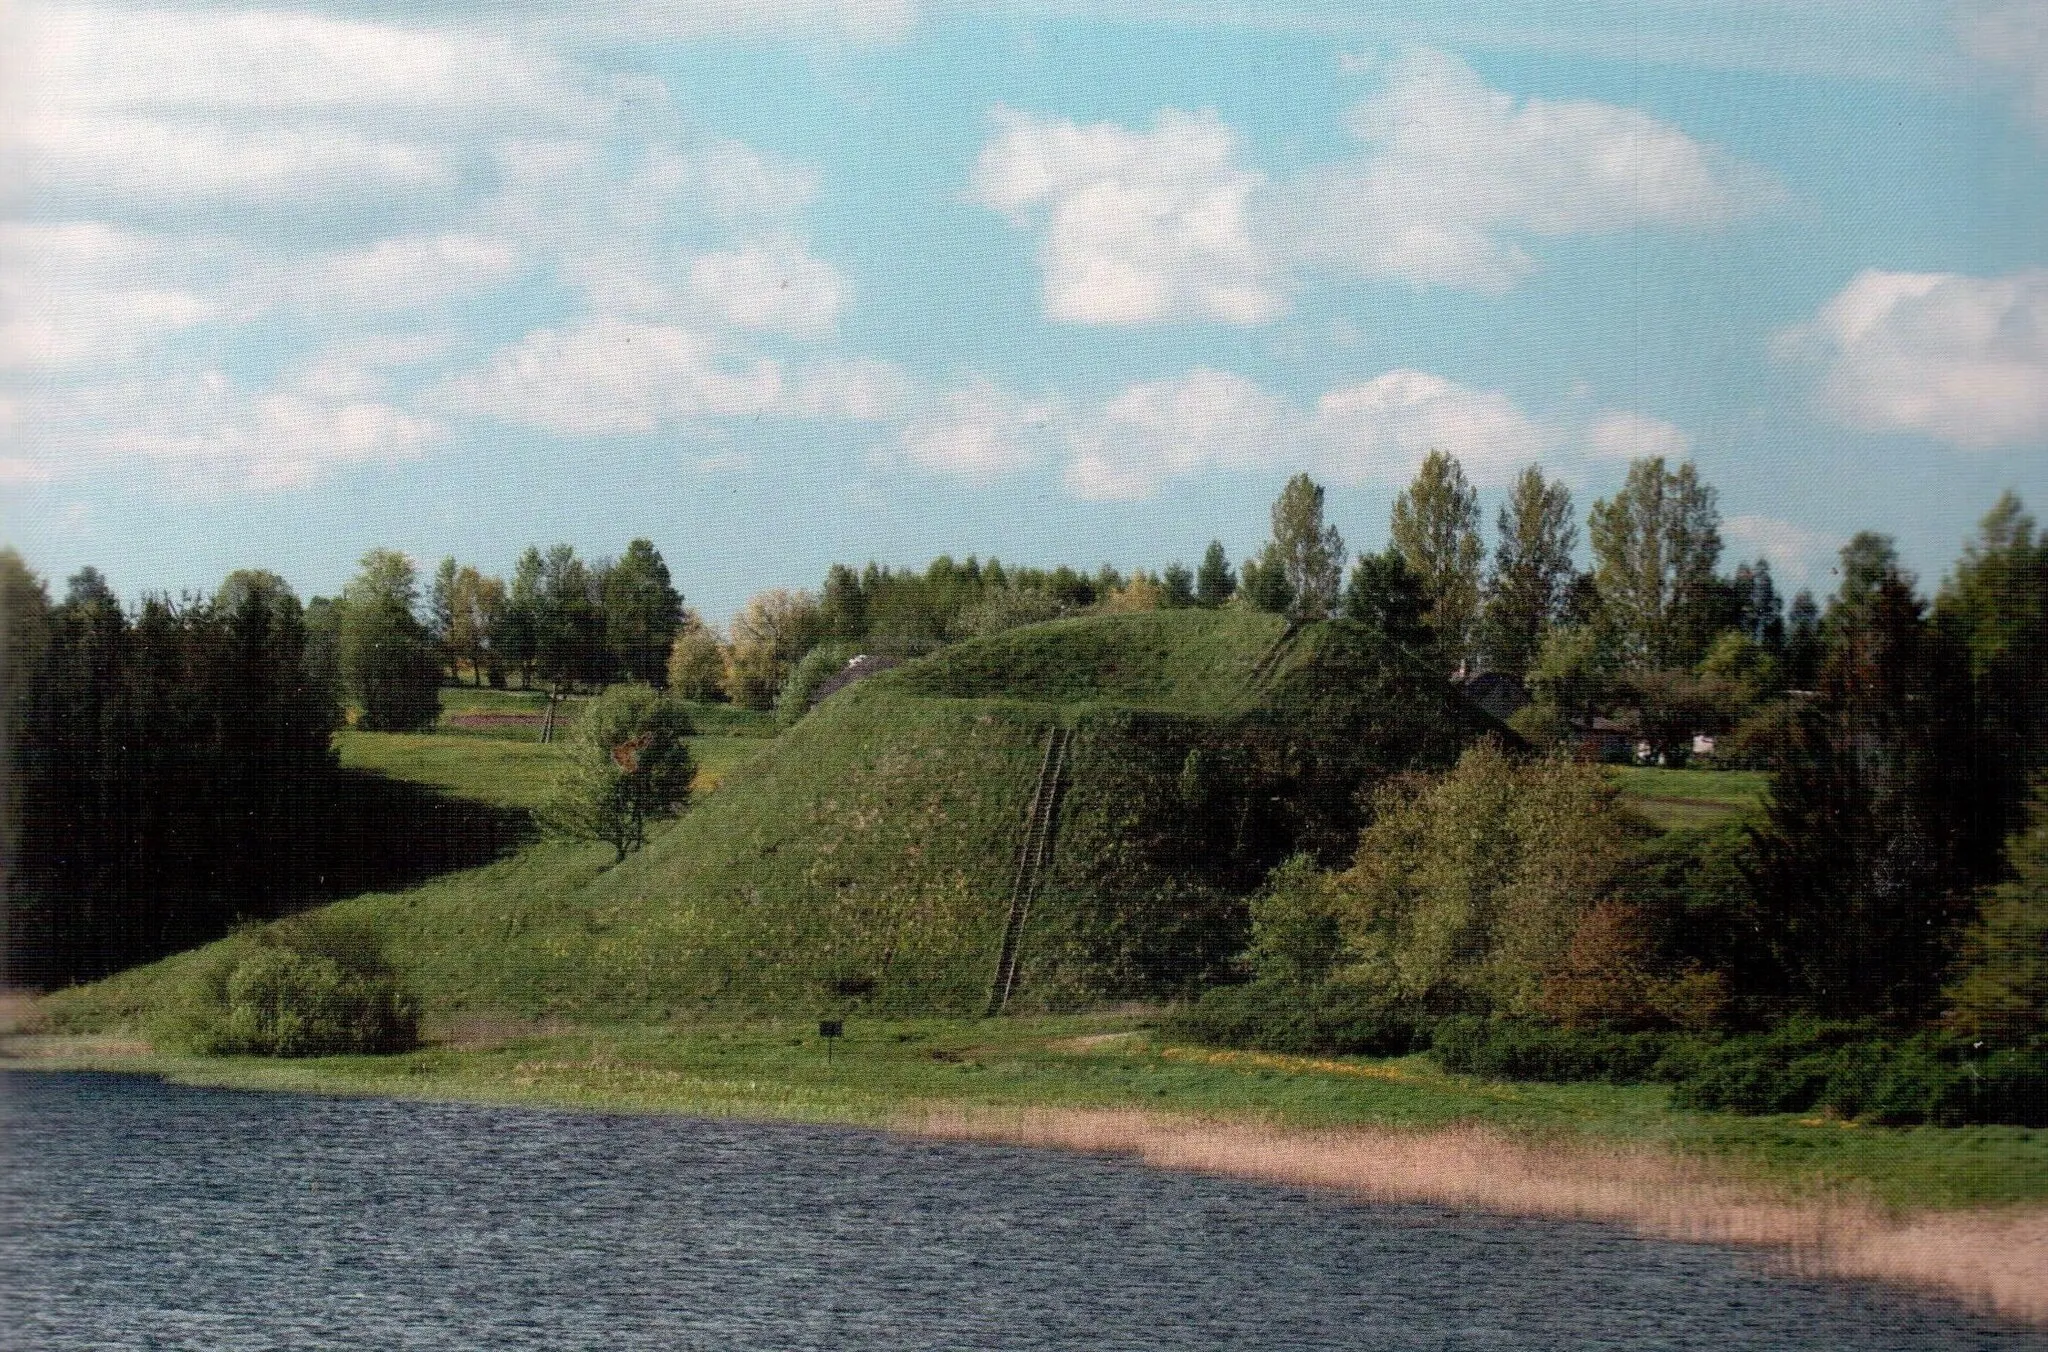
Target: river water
144, 1215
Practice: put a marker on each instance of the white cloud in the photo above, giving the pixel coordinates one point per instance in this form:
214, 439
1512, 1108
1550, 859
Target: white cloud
1457, 176
300, 174
978, 432
612, 377
208, 433
848, 20
1379, 431
1136, 441
136, 159
178, 61
159, 107
1963, 360
1157, 430
1454, 182
778, 289
407, 271
1138, 226
1798, 556
81, 293
2011, 36
1618, 435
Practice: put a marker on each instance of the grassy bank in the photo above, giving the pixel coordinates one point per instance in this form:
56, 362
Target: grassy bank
886, 1071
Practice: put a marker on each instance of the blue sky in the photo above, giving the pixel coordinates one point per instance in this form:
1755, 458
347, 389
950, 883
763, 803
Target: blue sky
780, 282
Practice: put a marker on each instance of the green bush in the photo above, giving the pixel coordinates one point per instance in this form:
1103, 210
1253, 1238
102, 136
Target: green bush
1508, 1049
1275, 1016
296, 991
1853, 1070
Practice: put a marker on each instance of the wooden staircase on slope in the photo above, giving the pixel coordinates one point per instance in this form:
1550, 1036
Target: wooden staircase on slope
1034, 854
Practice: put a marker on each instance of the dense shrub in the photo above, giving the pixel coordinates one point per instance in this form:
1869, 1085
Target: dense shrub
1516, 1050
296, 990
1854, 1071
1274, 1016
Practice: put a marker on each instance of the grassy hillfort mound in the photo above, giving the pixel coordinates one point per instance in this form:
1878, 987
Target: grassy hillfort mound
871, 854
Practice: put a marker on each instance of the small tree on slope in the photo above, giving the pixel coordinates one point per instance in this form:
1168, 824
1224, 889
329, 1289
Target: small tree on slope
628, 761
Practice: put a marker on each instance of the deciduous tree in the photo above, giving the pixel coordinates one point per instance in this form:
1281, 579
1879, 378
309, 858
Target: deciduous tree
1655, 545
642, 611
1436, 528
628, 761
771, 632
696, 662
390, 668
1532, 567
1308, 552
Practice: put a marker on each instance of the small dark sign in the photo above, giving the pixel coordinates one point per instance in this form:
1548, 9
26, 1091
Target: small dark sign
831, 1027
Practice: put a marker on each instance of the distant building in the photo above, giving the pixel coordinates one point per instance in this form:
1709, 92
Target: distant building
1603, 739
1498, 693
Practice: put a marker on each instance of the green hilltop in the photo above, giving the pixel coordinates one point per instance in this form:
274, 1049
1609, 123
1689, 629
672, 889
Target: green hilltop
871, 852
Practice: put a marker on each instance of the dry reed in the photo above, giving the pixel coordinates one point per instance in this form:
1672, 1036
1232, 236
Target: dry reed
1991, 1260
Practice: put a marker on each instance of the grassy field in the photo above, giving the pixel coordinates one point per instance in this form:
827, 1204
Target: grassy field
861, 844
884, 1070
1678, 799
506, 771
874, 841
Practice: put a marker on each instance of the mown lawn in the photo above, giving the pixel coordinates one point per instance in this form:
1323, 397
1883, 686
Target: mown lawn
1678, 799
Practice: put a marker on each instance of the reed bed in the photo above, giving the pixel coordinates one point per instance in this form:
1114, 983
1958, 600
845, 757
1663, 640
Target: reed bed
1996, 1261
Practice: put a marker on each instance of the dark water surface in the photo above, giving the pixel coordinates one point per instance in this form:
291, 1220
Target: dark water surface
145, 1215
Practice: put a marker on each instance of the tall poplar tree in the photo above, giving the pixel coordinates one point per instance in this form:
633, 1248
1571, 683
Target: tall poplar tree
1655, 544
1308, 552
1532, 567
1436, 528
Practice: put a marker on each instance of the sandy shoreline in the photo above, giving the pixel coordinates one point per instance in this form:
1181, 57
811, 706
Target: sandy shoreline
1992, 1260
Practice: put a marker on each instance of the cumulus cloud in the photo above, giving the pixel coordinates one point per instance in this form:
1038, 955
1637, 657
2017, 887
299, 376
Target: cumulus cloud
2011, 37
208, 432
1136, 441
782, 289
1380, 429
978, 432
1961, 359
1618, 435
1456, 177
1453, 182
79, 293
1157, 430
246, 177
1137, 225
612, 377
407, 271
858, 21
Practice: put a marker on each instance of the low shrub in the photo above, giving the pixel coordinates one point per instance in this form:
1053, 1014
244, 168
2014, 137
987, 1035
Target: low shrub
1509, 1049
1331, 1018
295, 990
1854, 1071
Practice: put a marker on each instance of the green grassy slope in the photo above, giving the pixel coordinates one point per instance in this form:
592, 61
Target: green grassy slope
876, 840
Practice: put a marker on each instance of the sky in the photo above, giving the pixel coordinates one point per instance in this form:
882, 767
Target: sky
777, 283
